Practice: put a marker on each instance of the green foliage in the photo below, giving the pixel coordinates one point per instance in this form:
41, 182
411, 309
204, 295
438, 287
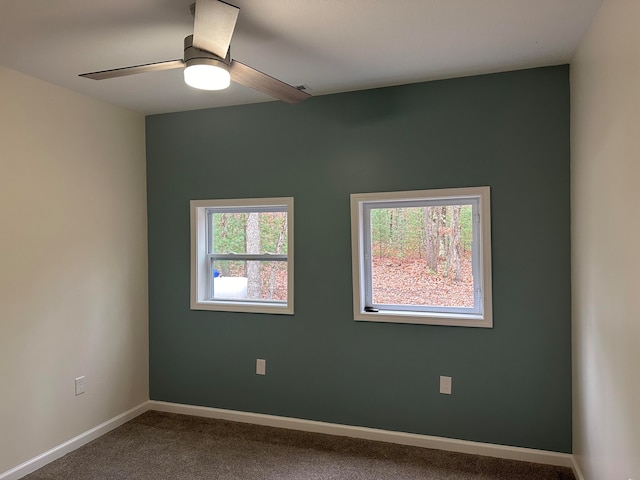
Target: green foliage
229, 232
399, 233
272, 225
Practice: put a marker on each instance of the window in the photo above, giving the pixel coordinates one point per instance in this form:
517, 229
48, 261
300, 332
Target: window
422, 257
242, 255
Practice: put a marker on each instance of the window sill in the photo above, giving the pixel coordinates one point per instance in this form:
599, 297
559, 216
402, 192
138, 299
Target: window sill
425, 318
253, 307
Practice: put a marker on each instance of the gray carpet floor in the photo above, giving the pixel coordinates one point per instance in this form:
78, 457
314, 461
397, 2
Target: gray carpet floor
159, 445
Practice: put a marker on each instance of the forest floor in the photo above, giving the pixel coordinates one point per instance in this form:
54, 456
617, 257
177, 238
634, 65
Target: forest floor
409, 282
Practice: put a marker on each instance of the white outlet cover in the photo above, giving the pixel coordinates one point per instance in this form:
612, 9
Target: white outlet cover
445, 385
261, 366
79, 385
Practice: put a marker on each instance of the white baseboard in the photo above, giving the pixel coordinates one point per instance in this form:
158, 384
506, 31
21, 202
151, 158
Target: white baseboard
412, 439
401, 438
49, 456
576, 468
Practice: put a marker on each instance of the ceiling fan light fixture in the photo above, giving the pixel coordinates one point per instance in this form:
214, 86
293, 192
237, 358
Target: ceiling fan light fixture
207, 74
207, 62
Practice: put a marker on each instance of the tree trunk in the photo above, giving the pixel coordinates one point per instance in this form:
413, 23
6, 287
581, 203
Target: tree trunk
254, 285
444, 235
454, 267
432, 234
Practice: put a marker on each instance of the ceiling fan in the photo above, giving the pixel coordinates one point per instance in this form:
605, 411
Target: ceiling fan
207, 60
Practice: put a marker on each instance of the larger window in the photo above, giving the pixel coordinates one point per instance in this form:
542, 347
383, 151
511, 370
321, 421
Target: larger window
242, 255
422, 257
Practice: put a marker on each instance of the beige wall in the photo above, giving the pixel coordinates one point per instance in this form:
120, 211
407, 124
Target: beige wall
605, 83
73, 265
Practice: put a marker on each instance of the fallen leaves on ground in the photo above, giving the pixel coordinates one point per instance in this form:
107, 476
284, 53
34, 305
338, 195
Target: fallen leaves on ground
409, 282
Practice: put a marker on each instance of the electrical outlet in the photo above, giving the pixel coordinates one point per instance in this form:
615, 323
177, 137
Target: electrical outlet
445, 385
79, 385
261, 366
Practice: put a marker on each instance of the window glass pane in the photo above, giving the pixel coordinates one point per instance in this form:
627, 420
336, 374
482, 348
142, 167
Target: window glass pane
422, 256
248, 232
249, 280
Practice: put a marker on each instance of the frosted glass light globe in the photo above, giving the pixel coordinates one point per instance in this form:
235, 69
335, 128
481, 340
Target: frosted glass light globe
207, 77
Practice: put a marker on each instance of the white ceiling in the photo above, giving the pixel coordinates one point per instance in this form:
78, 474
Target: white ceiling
328, 45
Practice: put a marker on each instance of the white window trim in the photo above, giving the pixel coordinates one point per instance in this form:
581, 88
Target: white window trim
484, 319
200, 271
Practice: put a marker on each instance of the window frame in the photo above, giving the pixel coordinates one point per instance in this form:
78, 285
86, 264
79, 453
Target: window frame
361, 206
202, 259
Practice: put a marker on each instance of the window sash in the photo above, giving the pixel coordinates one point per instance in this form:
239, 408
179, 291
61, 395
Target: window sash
476, 249
211, 211
232, 256
241, 257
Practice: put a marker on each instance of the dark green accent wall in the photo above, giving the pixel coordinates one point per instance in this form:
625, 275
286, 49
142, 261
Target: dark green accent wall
511, 384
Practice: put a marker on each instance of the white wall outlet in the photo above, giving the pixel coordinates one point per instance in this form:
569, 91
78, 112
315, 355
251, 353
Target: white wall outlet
261, 366
79, 385
445, 385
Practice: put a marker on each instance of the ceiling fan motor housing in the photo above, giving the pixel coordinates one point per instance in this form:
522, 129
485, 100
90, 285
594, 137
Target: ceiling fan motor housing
195, 56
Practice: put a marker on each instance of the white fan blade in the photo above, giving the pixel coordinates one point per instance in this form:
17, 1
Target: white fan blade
250, 77
214, 22
121, 72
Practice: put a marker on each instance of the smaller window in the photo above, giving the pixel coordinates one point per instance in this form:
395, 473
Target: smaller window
242, 255
422, 257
